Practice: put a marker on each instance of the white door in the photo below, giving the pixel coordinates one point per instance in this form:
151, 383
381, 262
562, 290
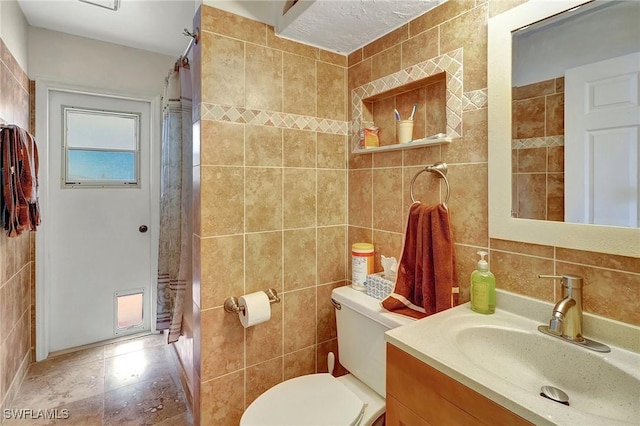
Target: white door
602, 133
99, 253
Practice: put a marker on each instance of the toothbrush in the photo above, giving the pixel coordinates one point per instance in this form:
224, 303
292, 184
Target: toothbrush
397, 114
413, 111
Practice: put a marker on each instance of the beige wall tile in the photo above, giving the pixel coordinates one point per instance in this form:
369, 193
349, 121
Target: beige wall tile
386, 41
469, 31
332, 201
388, 244
326, 312
290, 46
602, 290
222, 400
386, 62
473, 146
299, 88
519, 274
224, 275
555, 196
332, 58
359, 74
468, 204
420, 47
300, 363
221, 217
332, 150
263, 75
528, 118
332, 254
224, 57
222, 345
323, 350
331, 94
299, 319
384, 119
263, 146
263, 199
532, 196
354, 57
221, 143
439, 15
299, 198
531, 160
522, 248
387, 196
360, 199
263, 261
608, 261
264, 341
299, 259
231, 25
299, 148
555, 114
262, 377
436, 120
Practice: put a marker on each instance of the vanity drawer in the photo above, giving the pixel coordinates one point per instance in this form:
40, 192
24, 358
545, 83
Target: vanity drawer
435, 398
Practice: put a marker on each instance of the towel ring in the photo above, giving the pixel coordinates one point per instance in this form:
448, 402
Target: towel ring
441, 169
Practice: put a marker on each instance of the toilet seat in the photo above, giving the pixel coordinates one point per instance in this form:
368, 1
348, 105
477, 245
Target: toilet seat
315, 399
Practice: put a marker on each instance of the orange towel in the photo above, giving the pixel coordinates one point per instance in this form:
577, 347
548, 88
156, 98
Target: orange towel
427, 280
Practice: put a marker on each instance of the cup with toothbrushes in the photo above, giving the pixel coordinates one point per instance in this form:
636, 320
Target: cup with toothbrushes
404, 128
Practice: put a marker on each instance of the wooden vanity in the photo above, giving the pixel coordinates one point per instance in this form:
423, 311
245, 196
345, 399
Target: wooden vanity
419, 395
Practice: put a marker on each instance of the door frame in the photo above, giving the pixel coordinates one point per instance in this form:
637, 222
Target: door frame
42, 115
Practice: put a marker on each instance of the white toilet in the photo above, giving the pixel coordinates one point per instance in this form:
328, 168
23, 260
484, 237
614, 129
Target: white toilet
321, 399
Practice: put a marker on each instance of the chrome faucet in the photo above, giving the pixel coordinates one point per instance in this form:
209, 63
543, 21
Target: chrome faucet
566, 318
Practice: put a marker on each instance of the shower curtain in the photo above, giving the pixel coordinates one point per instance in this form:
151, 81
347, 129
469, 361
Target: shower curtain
174, 254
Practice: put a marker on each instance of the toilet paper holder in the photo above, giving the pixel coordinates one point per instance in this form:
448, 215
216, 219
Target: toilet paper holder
231, 303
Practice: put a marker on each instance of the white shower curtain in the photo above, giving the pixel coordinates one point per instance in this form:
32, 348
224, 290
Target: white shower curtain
174, 256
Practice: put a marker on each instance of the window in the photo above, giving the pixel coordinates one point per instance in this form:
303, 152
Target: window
101, 148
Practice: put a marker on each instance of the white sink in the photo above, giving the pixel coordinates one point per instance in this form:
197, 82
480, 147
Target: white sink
505, 358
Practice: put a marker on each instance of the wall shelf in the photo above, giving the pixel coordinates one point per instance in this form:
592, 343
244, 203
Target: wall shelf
398, 146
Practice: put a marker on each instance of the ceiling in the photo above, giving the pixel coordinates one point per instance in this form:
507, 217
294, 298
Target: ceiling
156, 25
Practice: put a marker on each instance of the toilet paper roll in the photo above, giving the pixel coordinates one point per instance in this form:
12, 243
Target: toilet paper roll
257, 308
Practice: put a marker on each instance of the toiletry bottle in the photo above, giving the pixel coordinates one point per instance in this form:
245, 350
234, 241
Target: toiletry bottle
483, 288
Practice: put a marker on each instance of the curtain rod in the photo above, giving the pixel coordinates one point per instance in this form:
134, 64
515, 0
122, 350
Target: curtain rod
194, 39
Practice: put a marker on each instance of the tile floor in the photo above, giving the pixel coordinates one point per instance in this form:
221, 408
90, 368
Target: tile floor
132, 382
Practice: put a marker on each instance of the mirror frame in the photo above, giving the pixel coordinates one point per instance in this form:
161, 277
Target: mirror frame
596, 238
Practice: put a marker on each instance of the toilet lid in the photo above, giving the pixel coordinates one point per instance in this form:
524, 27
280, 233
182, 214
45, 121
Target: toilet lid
315, 399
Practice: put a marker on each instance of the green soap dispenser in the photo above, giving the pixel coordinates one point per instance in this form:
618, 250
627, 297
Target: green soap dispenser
483, 288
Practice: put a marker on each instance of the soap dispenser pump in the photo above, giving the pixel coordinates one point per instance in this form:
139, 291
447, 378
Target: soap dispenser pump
483, 288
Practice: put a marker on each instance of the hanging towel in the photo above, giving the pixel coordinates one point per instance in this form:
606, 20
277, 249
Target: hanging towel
427, 281
19, 162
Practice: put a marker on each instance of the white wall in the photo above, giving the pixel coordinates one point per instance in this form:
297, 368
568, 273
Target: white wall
69, 59
608, 32
14, 31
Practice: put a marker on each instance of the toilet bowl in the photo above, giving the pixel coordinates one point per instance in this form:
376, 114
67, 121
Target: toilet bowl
321, 399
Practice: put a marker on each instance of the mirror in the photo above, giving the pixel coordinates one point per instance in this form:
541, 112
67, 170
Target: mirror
576, 116
598, 238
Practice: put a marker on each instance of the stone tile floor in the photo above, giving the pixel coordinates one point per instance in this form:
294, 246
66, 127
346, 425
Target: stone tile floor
131, 382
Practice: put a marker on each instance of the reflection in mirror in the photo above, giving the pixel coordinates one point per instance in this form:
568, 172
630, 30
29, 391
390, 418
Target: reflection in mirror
576, 119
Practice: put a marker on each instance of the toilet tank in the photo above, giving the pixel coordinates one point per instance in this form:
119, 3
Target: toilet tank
361, 323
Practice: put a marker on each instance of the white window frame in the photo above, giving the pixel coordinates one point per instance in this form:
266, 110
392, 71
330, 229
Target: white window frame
73, 183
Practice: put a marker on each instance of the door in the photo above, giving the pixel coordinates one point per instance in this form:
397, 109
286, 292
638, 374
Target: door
602, 122
98, 245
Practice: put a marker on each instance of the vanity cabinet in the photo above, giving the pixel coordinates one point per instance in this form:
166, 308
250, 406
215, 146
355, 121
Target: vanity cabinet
420, 395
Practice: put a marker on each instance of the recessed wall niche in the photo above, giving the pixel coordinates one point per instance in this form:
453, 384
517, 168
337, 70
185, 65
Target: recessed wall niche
436, 85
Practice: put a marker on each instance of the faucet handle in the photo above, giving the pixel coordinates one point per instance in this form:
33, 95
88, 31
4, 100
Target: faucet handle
569, 281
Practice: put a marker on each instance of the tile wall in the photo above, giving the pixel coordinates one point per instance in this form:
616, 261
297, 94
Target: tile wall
16, 256
379, 182
538, 150
280, 198
270, 209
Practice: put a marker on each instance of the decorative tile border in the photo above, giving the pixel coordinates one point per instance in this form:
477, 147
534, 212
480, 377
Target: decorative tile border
475, 99
537, 142
451, 63
206, 111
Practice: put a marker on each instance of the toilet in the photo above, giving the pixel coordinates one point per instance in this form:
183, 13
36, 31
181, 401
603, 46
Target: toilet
357, 398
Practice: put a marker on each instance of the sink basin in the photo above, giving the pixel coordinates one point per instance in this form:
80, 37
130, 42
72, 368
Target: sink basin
530, 360
506, 359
